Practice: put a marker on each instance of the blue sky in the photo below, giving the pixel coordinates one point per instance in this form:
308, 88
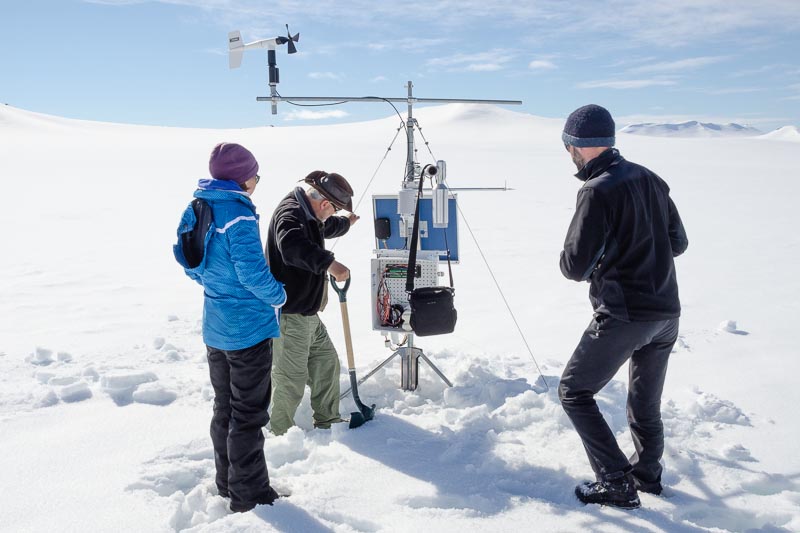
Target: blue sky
165, 62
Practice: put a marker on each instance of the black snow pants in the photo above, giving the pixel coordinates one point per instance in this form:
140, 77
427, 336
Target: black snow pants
604, 347
242, 389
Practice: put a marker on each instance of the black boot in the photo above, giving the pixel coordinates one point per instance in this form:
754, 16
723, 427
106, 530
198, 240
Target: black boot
650, 487
268, 498
617, 493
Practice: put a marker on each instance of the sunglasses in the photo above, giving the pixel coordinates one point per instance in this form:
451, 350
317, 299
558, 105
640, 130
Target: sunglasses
258, 178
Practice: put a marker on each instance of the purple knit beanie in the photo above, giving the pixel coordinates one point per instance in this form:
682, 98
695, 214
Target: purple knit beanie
233, 162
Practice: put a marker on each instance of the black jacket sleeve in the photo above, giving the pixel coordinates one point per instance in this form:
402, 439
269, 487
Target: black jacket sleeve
297, 249
336, 227
586, 237
677, 233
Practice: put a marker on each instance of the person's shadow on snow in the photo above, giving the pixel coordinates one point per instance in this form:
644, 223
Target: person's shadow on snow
462, 467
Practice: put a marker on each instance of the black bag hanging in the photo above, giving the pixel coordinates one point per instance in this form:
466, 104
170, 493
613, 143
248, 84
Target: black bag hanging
432, 309
193, 242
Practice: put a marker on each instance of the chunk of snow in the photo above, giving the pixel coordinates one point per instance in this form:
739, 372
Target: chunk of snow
74, 392
40, 356
154, 394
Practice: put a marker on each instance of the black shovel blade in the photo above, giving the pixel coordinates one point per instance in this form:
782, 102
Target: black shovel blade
359, 418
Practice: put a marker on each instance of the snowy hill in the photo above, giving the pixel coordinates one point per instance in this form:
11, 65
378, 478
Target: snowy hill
786, 133
690, 129
104, 393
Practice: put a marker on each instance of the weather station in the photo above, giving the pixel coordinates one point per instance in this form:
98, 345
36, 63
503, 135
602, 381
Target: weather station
416, 230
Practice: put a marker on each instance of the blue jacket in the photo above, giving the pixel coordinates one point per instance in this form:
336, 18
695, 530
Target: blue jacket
242, 299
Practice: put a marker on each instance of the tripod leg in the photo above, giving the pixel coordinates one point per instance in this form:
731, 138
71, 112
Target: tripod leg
371, 373
438, 372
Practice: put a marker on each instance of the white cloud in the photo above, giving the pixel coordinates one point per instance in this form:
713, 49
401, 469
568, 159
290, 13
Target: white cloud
378, 79
492, 60
624, 84
754, 71
412, 44
325, 76
305, 114
679, 65
483, 67
733, 90
664, 24
541, 64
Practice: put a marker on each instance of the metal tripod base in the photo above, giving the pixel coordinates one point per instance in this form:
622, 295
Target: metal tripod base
409, 369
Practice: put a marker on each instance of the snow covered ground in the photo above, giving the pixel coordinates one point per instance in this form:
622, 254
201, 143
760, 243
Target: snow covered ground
104, 395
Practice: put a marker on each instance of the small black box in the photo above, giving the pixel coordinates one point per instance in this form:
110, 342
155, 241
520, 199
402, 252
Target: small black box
383, 228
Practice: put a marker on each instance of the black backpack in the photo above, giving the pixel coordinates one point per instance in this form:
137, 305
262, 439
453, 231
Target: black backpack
193, 242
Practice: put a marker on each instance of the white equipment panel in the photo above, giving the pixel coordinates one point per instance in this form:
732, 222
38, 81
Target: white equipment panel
388, 273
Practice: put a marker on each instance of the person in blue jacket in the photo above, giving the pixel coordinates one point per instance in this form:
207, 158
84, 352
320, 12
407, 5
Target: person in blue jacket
219, 246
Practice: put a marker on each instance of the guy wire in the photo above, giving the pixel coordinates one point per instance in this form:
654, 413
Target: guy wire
369, 183
491, 273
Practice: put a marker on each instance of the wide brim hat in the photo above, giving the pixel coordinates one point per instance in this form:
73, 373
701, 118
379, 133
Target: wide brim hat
333, 187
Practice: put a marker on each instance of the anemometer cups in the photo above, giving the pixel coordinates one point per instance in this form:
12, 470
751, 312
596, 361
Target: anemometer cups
232, 162
333, 187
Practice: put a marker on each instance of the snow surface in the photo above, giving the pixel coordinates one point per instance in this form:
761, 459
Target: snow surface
104, 395
786, 133
691, 128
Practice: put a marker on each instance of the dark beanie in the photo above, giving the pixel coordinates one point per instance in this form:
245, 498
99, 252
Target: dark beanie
233, 162
590, 125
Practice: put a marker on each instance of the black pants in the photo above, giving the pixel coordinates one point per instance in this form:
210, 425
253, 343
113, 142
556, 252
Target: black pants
605, 346
242, 389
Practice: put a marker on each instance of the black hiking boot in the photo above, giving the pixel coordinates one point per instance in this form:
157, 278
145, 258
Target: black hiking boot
617, 493
267, 499
648, 487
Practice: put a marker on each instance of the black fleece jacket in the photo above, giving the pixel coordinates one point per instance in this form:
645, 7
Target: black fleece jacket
296, 251
623, 237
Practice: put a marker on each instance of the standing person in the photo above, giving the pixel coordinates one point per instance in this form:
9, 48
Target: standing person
220, 247
304, 354
622, 239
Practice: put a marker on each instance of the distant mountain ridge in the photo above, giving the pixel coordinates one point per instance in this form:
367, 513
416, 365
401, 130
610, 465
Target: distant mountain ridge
691, 128
786, 133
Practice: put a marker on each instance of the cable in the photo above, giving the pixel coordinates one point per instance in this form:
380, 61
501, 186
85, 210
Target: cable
502, 295
308, 105
402, 125
385, 155
489, 268
342, 102
369, 183
427, 144
390, 103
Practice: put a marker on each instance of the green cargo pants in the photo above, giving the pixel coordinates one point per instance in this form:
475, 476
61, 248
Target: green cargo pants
304, 355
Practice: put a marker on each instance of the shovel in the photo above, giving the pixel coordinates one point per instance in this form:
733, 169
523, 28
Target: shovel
364, 413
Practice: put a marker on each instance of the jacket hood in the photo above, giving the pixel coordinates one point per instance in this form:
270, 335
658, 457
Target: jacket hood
211, 189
